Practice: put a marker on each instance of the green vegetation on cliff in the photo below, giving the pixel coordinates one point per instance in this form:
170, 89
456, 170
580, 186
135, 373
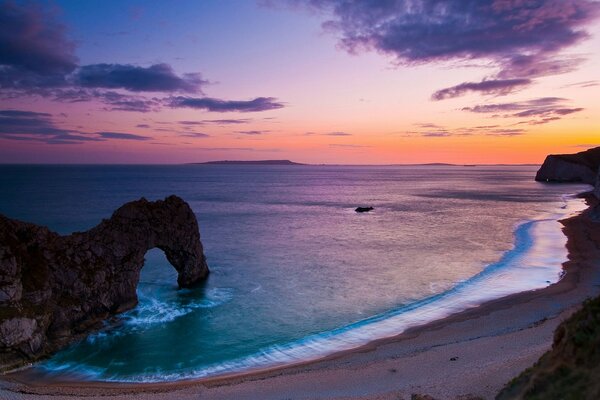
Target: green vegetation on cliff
571, 370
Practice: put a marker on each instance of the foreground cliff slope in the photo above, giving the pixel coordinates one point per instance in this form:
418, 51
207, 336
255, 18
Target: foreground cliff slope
571, 370
54, 289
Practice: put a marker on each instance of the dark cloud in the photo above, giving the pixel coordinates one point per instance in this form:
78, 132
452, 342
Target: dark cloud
217, 105
487, 86
31, 40
546, 109
37, 59
433, 30
123, 102
144, 126
114, 101
156, 78
522, 38
122, 136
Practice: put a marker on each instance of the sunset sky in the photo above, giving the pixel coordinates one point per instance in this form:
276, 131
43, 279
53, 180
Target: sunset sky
337, 82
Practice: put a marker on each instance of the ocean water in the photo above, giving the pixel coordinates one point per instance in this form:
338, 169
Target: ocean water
296, 274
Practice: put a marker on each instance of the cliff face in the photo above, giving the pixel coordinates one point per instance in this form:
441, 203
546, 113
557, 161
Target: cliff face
56, 288
579, 167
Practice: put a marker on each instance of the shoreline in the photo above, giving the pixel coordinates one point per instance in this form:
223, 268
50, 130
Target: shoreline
531, 314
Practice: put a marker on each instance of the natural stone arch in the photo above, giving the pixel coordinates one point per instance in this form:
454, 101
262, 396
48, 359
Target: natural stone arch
55, 288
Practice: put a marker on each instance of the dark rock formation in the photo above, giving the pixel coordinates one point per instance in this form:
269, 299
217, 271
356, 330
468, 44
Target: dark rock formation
579, 167
363, 209
54, 289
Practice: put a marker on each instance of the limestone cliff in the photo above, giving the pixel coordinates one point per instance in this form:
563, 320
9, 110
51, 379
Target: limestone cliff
579, 167
56, 288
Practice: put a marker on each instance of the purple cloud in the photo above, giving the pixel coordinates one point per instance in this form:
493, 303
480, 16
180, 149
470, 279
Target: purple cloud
434, 30
37, 59
156, 78
522, 38
217, 105
487, 86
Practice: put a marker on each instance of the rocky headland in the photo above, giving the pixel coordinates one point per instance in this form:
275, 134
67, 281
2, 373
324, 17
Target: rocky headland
579, 167
55, 289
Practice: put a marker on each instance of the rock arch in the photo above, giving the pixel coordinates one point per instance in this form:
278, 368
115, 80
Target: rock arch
54, 289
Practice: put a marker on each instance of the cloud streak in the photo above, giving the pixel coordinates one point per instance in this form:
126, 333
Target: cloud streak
155, 78
40, 127
217, 105
498, 87
545, 109
123, 136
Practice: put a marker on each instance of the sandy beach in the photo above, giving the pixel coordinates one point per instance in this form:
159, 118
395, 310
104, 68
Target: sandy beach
475, 352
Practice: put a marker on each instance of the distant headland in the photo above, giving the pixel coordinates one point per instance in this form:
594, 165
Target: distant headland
254, 162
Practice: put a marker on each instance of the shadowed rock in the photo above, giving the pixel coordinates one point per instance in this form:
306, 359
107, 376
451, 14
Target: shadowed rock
579, 167
54, 289
363, 209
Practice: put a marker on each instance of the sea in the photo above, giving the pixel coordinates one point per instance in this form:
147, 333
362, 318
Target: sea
296, 273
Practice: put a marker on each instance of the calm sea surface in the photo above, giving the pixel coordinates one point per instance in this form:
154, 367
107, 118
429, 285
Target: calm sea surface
296, 273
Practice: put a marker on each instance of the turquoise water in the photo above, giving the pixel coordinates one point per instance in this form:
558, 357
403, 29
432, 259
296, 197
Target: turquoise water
296, 273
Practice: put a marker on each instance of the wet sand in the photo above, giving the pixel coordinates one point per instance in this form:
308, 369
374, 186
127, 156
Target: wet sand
475, 352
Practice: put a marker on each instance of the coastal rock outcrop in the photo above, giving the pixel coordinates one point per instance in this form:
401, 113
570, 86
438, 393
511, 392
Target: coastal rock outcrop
579, 167
54, 289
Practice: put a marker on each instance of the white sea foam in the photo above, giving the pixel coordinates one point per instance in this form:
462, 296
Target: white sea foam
152, 310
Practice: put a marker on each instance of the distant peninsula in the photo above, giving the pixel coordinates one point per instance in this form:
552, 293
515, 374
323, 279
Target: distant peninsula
254, 162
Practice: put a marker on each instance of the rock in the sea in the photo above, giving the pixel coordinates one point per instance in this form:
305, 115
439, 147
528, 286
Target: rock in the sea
54, 289
363, 209
579, 167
